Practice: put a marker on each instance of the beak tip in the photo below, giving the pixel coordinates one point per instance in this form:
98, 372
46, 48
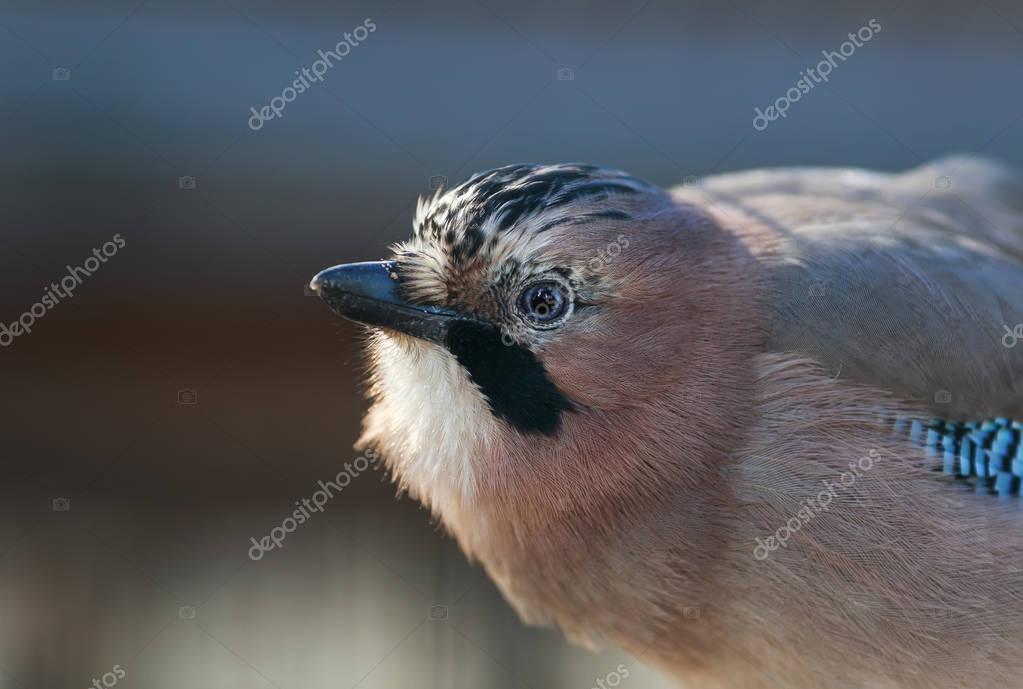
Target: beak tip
368, 293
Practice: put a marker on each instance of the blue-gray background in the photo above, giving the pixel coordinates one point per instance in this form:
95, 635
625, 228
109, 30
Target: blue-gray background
207, 294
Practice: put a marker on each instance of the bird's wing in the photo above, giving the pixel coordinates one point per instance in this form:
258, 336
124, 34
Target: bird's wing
910, 282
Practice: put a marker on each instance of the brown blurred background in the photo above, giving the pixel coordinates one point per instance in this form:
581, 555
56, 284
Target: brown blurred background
189, 392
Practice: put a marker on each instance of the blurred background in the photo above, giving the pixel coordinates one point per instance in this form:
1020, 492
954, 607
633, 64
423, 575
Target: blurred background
189, 392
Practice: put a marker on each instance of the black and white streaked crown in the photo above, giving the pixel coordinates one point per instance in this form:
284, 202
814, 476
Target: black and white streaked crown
490, 203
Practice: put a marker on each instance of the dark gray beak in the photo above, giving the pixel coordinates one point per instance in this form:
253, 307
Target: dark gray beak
368, 293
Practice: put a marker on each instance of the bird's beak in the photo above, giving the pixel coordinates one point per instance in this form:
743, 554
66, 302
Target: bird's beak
368, 293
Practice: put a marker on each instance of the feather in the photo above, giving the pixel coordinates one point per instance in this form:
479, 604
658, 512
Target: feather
907, 282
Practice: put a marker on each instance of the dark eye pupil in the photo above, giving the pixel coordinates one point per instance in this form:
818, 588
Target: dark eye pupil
544, 302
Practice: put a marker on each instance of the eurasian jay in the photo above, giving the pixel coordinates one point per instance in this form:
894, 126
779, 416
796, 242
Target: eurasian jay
760, 431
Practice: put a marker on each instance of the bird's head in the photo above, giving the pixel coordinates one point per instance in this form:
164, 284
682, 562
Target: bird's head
539, 316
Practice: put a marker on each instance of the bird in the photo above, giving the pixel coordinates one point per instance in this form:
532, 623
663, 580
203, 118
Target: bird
758, 430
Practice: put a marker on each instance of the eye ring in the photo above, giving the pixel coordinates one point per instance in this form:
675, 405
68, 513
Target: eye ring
544, 303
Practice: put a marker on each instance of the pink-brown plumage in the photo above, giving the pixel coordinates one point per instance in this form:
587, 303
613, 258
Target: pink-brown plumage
695, 432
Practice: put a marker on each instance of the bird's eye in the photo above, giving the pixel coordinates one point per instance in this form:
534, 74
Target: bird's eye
544, 302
